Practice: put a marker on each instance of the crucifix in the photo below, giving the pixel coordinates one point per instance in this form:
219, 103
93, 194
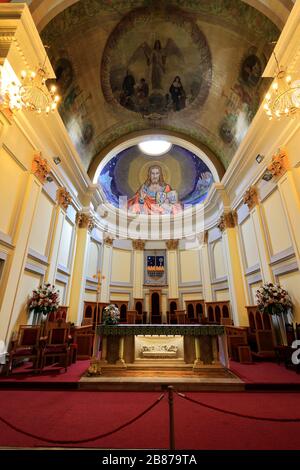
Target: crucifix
99, 278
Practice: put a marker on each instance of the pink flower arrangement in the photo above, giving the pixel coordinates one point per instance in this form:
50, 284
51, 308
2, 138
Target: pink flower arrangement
44, 300
273, 299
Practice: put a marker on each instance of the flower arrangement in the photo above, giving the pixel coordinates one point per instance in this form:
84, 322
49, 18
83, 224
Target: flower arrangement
111, 315
44, 300
273, 299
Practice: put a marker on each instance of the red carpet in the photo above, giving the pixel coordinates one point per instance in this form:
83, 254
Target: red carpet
49, 374
265, 373
78, 415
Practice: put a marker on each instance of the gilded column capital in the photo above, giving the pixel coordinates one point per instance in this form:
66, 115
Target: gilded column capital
40, 167
108, 240
172, 244
227, 220
279, 164
251, 197
203, 237
84, 220
63, 198
138, 245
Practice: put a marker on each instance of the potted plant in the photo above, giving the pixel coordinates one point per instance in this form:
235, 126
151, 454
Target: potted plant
44, 299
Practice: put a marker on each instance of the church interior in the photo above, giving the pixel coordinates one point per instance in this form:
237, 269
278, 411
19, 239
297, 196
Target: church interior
150, 224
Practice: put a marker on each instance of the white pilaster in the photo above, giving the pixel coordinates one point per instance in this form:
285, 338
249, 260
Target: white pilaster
106, 271
54, 250
8, 313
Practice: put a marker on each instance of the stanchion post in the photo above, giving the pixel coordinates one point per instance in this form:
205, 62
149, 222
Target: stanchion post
171, 417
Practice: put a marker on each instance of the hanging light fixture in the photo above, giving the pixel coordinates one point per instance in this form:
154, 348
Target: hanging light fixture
283, 97
34, 93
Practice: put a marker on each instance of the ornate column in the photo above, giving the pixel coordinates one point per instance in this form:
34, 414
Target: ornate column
138, 268
106, 268
9, 312
251, 198
85, 224
172, 267
280, 169
227, 225
63, 199
205, 269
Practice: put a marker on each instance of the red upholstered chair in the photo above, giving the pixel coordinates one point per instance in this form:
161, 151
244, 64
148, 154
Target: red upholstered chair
26, 346
57, 343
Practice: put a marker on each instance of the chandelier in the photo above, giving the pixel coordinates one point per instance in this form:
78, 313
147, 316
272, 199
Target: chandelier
34, 93
283, 98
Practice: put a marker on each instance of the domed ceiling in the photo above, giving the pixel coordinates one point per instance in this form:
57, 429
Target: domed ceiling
164, 184
187, 67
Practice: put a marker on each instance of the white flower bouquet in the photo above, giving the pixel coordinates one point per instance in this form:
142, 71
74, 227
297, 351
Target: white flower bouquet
273, 299
44, 300
111, 315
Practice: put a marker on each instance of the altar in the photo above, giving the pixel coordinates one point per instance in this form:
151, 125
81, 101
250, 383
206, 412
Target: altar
126, 345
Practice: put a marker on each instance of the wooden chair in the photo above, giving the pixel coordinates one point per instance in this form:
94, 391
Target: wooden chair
180, 317
131, 316
57, 343
26, 346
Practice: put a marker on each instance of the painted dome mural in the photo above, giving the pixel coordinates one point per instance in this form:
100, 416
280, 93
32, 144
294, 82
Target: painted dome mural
161, 185
191, 68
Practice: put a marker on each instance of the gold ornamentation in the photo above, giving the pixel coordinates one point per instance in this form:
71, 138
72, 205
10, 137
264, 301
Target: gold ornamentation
94, 368
63, 198
172, 244
108, 240
251, 197
85, 221
279, 164
227, 220
138, 245
40, 167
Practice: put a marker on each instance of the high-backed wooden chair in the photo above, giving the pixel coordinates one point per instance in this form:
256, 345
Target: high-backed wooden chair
57, 342
180, 316
131, 316
26, 346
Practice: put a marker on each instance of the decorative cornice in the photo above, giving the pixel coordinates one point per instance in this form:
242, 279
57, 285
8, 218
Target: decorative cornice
227, 220
63, 198
84, 220
138, 245
40, 167
251, 197
280, 164
172, 244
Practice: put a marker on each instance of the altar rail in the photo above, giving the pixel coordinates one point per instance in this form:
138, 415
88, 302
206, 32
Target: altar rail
181, 330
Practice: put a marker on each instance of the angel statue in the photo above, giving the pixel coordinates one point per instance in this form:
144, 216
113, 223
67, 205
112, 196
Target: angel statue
156, 59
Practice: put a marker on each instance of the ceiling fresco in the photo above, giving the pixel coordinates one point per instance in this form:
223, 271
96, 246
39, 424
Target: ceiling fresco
163, 185
188, 67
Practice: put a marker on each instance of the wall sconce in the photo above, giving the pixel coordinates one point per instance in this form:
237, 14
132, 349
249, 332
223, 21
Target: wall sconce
259, 158
267, 176
56, 160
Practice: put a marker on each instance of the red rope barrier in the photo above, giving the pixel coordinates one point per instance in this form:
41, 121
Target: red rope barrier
234, 413
90, 439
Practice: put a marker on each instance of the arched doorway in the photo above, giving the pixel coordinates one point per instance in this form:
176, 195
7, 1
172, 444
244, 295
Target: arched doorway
155, 308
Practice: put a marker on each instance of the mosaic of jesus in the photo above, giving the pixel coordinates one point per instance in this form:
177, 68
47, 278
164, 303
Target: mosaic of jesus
155, 196
167, 184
